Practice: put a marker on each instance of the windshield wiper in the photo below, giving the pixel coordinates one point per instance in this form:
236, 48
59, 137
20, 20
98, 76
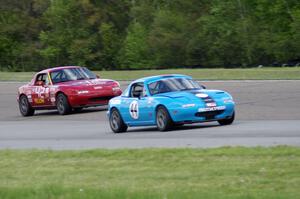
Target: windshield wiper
67, 80
185, 89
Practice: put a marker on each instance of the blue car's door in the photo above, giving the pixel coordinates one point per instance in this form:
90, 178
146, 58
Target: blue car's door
135, 108
124, 108
145, 111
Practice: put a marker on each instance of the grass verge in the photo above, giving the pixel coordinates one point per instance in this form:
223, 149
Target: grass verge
152, 173
287, 73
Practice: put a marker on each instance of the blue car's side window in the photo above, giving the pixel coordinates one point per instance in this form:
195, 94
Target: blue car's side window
137, 90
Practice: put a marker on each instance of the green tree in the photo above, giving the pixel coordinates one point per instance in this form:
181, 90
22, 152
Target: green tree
168, 38
135, 52
111, 43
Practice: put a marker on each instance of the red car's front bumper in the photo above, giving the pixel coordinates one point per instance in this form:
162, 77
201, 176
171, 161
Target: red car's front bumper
93, 98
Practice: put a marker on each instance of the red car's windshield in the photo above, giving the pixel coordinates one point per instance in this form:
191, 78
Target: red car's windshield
71, 74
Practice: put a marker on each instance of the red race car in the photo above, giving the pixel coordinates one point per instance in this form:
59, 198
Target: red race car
65, 89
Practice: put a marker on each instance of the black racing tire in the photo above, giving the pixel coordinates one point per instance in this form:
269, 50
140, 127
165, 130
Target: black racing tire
227, 121
62, 104
163, 120
116, 122
25, 107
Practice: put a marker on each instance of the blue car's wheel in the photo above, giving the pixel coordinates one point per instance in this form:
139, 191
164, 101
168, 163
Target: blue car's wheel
116, 122
227, 121
163, 119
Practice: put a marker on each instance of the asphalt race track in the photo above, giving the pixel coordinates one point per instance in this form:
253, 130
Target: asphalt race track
268, 114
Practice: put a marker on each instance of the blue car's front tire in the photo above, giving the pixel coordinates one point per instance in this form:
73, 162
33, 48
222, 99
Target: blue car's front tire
163, 120
227, 121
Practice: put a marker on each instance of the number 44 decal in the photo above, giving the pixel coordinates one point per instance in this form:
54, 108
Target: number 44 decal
134, 109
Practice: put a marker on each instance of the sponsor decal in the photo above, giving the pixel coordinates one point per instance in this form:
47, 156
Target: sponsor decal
97, 87
188, 105
216, 108
211, 104
134, 109
39, 100
29, 98
83, 92
201, 95
95, 82
39, 90
114, 89
150, 100
52, 99
47, 92
115, 101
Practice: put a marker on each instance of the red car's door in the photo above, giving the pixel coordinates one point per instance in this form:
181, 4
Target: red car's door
40, 91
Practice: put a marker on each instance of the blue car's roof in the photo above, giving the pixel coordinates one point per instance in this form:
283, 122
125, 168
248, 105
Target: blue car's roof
151, 79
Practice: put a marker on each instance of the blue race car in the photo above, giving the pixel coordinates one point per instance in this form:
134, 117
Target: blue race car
167, 101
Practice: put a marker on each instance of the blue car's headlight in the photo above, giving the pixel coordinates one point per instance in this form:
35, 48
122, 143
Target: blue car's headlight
226, 101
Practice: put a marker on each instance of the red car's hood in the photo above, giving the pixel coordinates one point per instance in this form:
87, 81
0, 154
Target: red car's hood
88, 83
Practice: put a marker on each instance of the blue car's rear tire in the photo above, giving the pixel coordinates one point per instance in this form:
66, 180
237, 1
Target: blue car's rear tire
116, 122
227, 121
163, 120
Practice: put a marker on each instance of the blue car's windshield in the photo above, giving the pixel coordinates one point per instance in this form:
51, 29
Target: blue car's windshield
173, 84
71, 74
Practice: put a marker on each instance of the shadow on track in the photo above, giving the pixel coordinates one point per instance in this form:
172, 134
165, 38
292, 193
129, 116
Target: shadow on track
177, 128
55, 112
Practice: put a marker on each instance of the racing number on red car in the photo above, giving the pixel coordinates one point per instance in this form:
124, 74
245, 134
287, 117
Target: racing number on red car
41, 95
134, 109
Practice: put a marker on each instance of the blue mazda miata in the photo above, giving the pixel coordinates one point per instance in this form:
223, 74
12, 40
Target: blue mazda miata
167, 101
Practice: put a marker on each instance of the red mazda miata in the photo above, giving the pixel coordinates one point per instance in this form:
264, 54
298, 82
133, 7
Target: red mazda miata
66, 88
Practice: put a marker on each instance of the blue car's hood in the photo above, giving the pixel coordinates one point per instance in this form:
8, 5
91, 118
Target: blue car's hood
193, 94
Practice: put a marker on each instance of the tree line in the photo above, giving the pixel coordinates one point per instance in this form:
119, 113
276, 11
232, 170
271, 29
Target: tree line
147, 34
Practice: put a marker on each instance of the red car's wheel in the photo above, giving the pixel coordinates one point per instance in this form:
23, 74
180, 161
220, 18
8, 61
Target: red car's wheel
62, 104
24, 106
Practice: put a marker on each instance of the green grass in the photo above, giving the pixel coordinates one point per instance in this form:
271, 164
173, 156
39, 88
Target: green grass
151, 173
287, 73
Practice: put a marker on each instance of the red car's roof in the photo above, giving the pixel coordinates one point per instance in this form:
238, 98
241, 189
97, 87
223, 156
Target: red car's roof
57, 68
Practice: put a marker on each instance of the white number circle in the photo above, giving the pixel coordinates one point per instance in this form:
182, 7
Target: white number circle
134, 110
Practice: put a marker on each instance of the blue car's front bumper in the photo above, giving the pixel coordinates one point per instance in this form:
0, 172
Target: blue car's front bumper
195, 114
